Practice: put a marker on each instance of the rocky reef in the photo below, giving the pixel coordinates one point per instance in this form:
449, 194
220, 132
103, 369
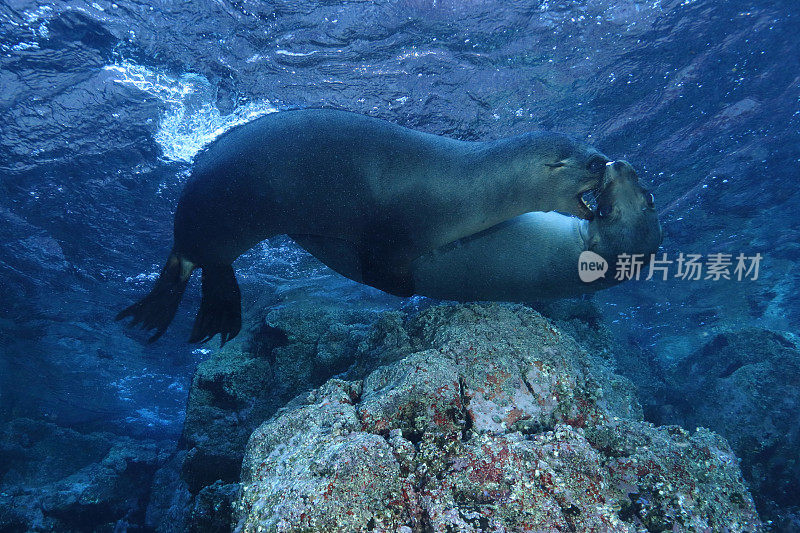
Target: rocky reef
494, 420
58, 479
293, 349
745, 385
326, 417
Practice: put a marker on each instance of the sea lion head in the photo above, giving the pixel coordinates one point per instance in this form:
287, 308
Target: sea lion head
625, 219
573, 171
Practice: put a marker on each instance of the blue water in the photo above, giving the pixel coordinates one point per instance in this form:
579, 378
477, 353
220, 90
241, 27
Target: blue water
104, 104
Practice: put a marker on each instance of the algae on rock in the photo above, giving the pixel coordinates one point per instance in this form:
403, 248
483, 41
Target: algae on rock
497, 421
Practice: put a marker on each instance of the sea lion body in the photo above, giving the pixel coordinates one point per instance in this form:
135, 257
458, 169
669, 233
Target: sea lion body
324, 173
533, 256
391, 193
395, 193
530, 257
521, 259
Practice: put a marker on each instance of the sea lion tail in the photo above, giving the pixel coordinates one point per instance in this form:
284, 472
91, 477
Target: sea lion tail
221, 306
157, 309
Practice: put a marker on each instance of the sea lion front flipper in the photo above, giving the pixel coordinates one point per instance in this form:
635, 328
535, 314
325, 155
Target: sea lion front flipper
380, 269
387, 272
220, 307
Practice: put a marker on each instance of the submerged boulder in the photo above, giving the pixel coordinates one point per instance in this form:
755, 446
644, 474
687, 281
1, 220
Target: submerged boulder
244, 383
298, 346
496, 421
57, 479
745, 385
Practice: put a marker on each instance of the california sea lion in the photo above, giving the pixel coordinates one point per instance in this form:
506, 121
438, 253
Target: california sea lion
532, 256
391, 193
536, 255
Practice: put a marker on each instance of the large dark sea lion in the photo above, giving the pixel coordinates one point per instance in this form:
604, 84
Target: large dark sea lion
532, 256
391, 193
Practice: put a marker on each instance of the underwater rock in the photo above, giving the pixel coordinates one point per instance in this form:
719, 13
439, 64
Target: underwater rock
297, 347
621, 352
498, 421
169, 506
212, 508
57, 479
745, 385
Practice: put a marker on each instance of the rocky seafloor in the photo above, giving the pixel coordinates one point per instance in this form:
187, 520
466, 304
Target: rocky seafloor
495, 421
453, 418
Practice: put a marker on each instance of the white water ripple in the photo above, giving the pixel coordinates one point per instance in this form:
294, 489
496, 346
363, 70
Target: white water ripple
192, 119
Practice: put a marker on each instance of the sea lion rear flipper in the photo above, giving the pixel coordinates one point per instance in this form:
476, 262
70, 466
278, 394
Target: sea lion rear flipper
157, 309
220, 307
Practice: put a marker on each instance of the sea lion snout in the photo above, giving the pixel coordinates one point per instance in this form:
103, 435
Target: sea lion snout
620, 169
626, 210
619, 165
621, 191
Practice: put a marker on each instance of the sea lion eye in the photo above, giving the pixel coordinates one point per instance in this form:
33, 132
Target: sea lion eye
596, 165
650, 199
555, 165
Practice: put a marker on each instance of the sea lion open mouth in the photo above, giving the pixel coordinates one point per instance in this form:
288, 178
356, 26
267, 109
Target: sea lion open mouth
589, 200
